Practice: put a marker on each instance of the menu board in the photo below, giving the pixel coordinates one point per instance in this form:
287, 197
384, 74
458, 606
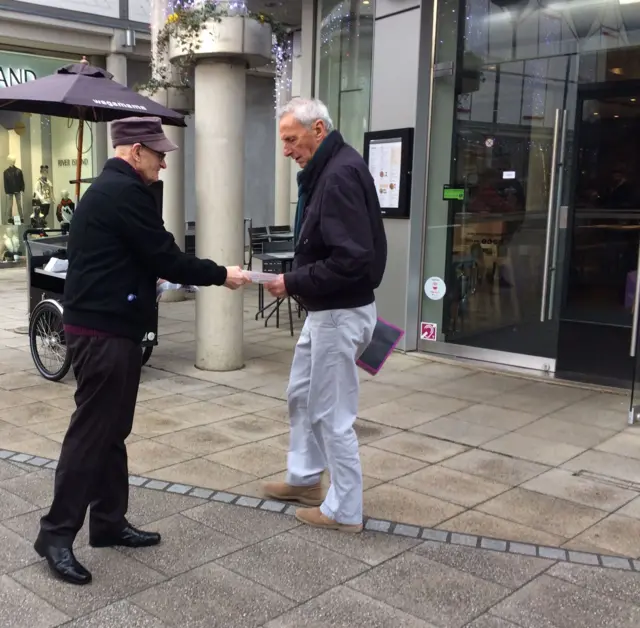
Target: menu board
389, 156
385, 159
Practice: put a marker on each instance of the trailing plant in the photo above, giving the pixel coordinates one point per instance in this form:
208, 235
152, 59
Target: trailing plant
185, 25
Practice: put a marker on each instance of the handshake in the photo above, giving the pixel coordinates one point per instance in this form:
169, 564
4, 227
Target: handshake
237, 277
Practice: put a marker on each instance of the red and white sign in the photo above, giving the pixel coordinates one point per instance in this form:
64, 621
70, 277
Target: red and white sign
429, 331
435, 288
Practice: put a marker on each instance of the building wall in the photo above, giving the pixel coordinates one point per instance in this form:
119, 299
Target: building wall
138, 10
107, 8
138, 72
260, 156
393, 105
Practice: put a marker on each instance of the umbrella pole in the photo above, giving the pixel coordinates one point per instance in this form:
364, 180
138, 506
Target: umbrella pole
79, 162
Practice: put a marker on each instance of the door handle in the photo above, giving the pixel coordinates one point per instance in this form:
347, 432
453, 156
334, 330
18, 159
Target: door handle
636, 303
559, 209
550, 214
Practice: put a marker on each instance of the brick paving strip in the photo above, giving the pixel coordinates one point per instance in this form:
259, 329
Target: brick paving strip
370, 524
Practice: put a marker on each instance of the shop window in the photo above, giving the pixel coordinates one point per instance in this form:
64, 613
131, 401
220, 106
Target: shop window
345, 56
38, 157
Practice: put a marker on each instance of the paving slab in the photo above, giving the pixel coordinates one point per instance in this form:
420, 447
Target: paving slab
186, 544
115, 576
292, 566
440, 440
21, 608
345, 608
550, 601
211, 596
122, 614
501, 568
429, 590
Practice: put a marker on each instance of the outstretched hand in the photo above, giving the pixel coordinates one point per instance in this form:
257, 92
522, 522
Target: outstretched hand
236, 278
277, 287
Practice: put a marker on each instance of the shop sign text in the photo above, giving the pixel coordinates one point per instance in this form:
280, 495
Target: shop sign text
62, 163
15, 76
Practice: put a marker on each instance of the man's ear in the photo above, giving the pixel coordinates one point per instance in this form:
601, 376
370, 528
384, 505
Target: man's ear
319, 129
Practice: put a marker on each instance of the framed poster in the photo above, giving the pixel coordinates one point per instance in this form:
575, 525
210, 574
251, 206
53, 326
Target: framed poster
389, 155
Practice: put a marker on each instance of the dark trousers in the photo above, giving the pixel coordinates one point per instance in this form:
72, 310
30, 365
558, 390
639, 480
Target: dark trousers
92, 469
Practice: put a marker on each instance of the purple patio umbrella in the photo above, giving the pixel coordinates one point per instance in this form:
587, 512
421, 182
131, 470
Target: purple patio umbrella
85, 93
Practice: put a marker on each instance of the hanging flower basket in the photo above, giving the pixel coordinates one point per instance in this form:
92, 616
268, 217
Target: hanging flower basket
236, 36
212, 29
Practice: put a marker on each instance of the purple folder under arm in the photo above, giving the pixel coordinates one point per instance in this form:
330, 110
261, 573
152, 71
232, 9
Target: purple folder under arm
385, 339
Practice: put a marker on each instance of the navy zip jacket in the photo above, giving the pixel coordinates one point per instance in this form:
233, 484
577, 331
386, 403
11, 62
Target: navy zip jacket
341, 251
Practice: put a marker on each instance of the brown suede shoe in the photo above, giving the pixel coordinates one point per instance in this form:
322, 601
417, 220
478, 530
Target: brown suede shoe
307, 495
314, 517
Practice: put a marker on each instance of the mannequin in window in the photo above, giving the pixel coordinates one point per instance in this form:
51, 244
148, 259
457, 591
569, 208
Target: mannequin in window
37, 221
44, 192
13, 188
11, 244
66, 208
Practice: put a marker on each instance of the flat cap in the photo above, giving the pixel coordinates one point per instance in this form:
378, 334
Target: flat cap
138, 130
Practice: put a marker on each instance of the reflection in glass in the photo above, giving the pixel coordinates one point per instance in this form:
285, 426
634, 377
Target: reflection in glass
607, 216
344, 65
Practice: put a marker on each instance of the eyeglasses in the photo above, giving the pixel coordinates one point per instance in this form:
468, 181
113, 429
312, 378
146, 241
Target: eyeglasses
160, 156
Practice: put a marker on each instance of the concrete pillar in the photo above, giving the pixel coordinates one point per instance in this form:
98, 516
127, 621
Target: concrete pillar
303, 81
173, 176
173, 197
116, 65
100, 136
307, 49
283, 164
220, 88
282, 203
226, 48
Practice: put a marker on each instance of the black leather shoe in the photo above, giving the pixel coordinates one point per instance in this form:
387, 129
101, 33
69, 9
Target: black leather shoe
63, 563
127, 537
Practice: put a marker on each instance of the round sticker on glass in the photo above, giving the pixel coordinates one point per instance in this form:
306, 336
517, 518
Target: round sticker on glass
435, 288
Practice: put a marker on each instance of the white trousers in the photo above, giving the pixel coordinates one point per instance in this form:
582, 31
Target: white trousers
323, 404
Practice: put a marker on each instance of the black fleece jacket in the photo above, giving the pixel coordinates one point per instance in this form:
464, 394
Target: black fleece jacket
118, 248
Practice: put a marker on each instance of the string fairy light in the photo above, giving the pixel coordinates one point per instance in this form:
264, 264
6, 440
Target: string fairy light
283, 79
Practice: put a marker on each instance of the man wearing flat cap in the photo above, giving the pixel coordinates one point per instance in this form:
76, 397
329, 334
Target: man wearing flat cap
118, 248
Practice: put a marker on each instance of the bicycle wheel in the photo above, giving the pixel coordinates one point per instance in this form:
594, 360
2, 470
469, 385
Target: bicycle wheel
47, 341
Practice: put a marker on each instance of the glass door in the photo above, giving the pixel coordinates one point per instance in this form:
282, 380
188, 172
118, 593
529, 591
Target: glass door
530, 244
495, 237
598, 319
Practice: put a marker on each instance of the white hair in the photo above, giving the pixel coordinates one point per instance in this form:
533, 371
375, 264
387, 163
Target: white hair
307, 111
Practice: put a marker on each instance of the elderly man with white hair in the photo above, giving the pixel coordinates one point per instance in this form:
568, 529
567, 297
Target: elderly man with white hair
340, 258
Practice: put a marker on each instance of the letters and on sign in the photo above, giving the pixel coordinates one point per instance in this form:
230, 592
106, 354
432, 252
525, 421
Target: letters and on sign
71, 162
15, 76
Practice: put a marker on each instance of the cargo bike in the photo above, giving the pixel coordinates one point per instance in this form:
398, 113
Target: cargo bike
45, 292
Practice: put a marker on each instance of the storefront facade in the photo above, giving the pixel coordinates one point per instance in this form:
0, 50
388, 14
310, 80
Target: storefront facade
521, 247
38, 154
534, 127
